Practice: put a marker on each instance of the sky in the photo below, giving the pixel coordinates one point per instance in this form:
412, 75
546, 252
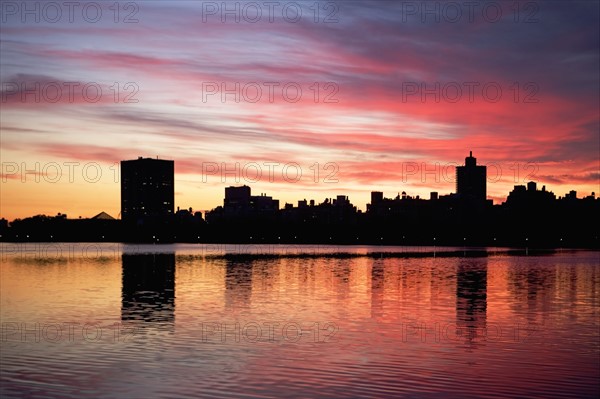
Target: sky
298, 100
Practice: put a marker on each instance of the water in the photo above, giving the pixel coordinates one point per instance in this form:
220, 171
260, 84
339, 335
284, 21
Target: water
108, 320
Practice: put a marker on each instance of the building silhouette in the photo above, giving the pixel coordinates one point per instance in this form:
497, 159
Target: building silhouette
471, 180
376, 198
241, 200
237, 197
522, 196
239, 204
147, 190
529, 218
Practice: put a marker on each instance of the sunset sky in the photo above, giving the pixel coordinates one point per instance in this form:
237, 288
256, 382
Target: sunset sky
368, 73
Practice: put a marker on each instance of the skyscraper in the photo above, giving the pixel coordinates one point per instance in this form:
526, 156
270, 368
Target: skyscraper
147, 190
471, 180
237, 197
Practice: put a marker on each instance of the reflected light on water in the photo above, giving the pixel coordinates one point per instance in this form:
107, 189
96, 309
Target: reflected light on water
181, 322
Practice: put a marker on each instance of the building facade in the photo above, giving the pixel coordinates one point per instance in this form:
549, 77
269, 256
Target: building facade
147, 190
471, 180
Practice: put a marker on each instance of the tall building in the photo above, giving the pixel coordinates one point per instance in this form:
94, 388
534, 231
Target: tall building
237, 196
147, 190
471, 180
376, 197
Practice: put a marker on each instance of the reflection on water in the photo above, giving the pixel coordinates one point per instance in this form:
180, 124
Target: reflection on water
238, 284
471, 298
377, 289
148, 292
175, 323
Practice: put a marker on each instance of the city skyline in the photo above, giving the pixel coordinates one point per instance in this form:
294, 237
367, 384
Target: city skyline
409, 87
529, 216
137, 189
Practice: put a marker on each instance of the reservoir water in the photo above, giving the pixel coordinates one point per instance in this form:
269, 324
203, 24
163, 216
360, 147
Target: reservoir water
113, 320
